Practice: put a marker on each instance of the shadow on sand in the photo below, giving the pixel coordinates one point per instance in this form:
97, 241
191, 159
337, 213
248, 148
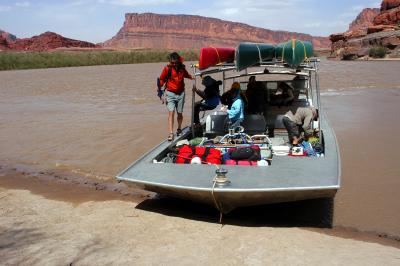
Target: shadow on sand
309, 213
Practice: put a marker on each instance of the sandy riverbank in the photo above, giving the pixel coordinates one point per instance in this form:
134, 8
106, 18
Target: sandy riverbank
58, 224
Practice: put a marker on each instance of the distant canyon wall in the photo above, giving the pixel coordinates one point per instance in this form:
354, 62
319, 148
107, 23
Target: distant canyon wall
157, 31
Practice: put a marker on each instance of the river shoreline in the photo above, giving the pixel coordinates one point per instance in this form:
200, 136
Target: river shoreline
72, 188
65, 133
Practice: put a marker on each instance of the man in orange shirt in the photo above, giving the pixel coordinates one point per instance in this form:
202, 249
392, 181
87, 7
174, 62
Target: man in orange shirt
173, 77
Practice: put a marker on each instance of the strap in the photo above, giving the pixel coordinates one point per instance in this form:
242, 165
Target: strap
305, 51
259, 54
169, 72
192, 154
216, 51
206, 153
283, 51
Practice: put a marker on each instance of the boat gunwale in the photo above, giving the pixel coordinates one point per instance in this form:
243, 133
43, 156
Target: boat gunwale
231, 190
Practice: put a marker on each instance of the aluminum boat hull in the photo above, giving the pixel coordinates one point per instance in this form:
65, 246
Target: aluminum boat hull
287, 179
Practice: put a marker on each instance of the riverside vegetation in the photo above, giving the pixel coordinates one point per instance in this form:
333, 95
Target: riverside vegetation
33, 60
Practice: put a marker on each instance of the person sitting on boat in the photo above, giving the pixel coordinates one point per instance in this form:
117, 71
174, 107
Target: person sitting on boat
255, 94
172, 77
210, 97
299, 122
284, 95
236, 111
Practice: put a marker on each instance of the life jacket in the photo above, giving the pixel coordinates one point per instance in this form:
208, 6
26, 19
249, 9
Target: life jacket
206, 154
241, 162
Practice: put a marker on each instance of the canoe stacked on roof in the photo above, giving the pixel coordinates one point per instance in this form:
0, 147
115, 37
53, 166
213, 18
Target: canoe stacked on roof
211, 56
294, 52
249, 54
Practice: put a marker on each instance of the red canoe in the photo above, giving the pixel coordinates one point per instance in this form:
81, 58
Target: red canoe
211, 56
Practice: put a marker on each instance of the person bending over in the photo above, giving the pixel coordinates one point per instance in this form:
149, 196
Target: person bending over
299, 122
172, 77
210, 97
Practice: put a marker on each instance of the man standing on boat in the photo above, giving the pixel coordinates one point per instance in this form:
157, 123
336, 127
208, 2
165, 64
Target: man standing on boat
173, 77
299, 122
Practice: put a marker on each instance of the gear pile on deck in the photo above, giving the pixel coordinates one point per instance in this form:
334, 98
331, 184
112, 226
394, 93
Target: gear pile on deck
238, 148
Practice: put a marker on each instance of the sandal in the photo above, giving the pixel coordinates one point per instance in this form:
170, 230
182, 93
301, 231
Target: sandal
170, 137
178, 132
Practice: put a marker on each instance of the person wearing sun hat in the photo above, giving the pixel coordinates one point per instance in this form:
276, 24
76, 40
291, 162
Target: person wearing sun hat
236, 110
210, 97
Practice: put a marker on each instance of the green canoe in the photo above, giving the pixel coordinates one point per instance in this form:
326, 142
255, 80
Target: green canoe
249, 54
294, 52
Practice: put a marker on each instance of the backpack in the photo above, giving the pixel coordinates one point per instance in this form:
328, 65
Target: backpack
207, 155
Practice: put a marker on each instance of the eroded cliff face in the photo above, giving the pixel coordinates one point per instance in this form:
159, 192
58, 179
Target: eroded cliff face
383, 31
150, 30
364, 19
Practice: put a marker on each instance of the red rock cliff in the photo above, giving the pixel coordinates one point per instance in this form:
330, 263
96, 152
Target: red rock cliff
47, 41
5, 39
150, 30
390, 13
43, 42
364, 19
384, 31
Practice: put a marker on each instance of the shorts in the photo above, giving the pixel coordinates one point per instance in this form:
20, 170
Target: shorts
175, 101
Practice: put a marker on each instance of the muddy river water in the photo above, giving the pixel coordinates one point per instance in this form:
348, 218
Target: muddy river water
96, 120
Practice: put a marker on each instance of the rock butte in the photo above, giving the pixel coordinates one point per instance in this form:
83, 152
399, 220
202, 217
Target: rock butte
150, 30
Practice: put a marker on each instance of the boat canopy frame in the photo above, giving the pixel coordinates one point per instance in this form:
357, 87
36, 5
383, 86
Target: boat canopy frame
308, 69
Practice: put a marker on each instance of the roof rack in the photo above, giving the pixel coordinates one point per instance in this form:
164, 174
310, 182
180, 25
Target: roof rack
268, 64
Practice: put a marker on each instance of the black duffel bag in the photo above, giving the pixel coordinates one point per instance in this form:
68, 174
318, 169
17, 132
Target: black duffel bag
251, 153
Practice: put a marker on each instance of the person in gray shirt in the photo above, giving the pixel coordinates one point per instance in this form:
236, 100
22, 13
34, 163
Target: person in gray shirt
300, 122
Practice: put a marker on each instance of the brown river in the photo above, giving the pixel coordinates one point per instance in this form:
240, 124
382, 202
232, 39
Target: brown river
95, 121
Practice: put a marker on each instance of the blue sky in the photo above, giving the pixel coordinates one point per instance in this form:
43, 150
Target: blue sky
99, 20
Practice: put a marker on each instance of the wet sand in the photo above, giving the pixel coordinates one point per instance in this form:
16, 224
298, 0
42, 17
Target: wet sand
63, 186
85, 124
41, 230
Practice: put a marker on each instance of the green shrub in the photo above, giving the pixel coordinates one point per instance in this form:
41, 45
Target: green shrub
30, 60
378, 52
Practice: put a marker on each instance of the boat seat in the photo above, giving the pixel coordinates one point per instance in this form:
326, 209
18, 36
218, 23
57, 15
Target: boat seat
279, 123
254, 124
216, 124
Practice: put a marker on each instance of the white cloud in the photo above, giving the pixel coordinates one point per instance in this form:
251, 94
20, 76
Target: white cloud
326, 25
272, 14
5, 8
22, 4
230, 11
139, 2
